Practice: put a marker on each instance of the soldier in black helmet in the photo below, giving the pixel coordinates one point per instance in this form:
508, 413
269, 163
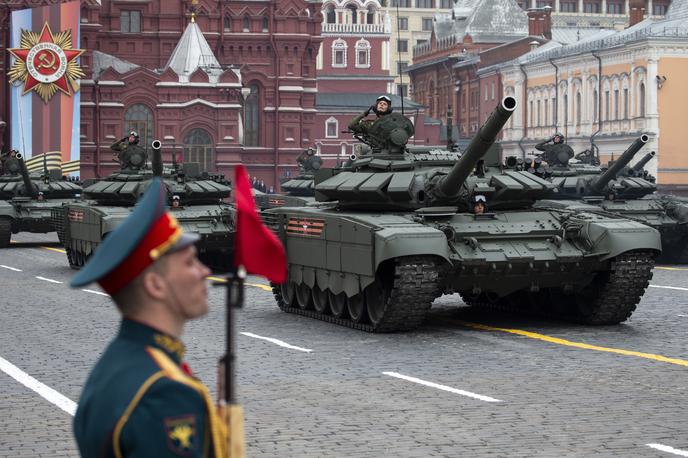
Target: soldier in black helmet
129, 154
558, 152
478, 204
361, 125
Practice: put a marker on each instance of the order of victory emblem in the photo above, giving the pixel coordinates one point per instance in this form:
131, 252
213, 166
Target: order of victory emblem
46, 63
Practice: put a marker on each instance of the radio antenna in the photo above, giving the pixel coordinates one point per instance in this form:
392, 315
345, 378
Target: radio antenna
401, 78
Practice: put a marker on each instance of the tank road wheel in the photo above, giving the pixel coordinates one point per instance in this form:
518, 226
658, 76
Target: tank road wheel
612, 296
71, 258
5, 232
284, 294
377, 296
320, 303
357, 308
337, 303
303, 297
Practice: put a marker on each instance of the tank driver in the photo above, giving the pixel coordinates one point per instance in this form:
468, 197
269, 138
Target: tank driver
129, 153
361, 124
479, 204
555, 150
308, 161
140, 399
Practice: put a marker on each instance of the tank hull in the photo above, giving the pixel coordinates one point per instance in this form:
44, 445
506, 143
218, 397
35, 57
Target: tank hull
398, 263
22, 215
82, 225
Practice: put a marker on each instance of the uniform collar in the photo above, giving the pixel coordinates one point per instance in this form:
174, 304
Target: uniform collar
142, 333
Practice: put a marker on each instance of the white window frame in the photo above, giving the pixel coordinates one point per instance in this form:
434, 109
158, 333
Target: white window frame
363, 45
339, 45
330, 121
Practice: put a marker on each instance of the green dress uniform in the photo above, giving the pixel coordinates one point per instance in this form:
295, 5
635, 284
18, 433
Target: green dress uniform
140, 402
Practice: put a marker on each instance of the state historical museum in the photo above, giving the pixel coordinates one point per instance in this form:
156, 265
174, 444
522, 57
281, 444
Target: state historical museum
219, 82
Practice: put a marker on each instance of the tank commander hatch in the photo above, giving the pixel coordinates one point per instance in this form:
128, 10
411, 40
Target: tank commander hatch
129, 153
361, 124
558, 152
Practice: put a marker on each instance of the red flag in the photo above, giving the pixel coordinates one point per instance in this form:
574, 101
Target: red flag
256, 247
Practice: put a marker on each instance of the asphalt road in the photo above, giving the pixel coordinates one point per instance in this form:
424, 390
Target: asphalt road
467, 383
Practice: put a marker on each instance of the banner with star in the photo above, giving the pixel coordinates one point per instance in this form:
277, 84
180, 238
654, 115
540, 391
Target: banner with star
44, 75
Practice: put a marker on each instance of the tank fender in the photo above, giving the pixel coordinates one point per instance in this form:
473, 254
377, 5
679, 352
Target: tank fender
6, 209
418, 240
616, 237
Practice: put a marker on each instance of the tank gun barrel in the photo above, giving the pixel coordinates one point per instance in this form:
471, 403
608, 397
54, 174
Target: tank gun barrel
641, 163
156, 162
611, 173
478, 146
30, 190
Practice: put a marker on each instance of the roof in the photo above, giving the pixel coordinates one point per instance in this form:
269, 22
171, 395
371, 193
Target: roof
358, 101
677, 10
568, 35
191, 53
103, 61
487, 21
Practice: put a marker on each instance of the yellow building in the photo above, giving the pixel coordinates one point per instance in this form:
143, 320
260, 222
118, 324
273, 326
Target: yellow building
605, 91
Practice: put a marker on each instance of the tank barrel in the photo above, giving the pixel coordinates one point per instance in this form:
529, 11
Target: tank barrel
156, 162
478, 146
599, 184
25, 176
641, 163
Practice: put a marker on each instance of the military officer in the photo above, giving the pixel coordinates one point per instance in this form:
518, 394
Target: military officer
361, 125
140, 399
558, 153
129, 153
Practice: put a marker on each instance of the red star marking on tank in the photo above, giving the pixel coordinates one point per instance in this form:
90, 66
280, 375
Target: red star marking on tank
46, 62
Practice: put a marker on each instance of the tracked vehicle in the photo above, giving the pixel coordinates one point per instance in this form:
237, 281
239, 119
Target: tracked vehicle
298, 190
394, 231
196, 201
27, 200
618, 189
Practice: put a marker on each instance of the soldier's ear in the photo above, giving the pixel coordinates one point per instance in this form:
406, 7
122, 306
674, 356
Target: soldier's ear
154, 285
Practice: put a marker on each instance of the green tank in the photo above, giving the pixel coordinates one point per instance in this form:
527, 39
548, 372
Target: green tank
296, 191
27, 199
195, 199
394, 231
618, 189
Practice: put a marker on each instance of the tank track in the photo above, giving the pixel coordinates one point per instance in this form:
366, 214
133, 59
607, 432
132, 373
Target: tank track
611, 298
5, 232
415, 286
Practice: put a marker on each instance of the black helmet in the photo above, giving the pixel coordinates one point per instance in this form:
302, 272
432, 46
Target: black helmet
560, 135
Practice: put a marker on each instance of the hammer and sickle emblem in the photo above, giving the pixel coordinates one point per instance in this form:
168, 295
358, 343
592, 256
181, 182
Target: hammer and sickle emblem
50, 64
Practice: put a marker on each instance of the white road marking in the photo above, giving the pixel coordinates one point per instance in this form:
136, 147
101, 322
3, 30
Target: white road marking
666, 448
49, 279
669, 287
95, 292
442, 387
683, 316
45, 391
10, 268
276, 342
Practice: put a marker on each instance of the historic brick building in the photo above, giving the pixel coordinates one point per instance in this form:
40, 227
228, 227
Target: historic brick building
236, 86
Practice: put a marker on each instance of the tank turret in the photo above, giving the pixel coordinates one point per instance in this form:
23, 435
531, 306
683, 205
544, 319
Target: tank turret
638, 167
477, 148
602, 181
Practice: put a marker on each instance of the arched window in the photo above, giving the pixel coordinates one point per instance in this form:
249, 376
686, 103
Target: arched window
595, 106
566, 109
362, 54
265, 24
579, 113
546, 120
139, 118
330, 16
198, 147
252, 117
247, 24
331, 127
641, 95
227, 23
339, 47
354, 14
370, 16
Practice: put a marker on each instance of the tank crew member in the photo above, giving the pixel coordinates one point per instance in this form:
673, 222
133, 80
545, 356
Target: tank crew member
308, 161
361, 125
479, 204
129, 153
556, 153
140, 399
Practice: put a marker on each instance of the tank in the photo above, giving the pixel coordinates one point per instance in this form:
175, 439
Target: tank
27, 199
619, 189
296, 191
395, 230
195, 199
